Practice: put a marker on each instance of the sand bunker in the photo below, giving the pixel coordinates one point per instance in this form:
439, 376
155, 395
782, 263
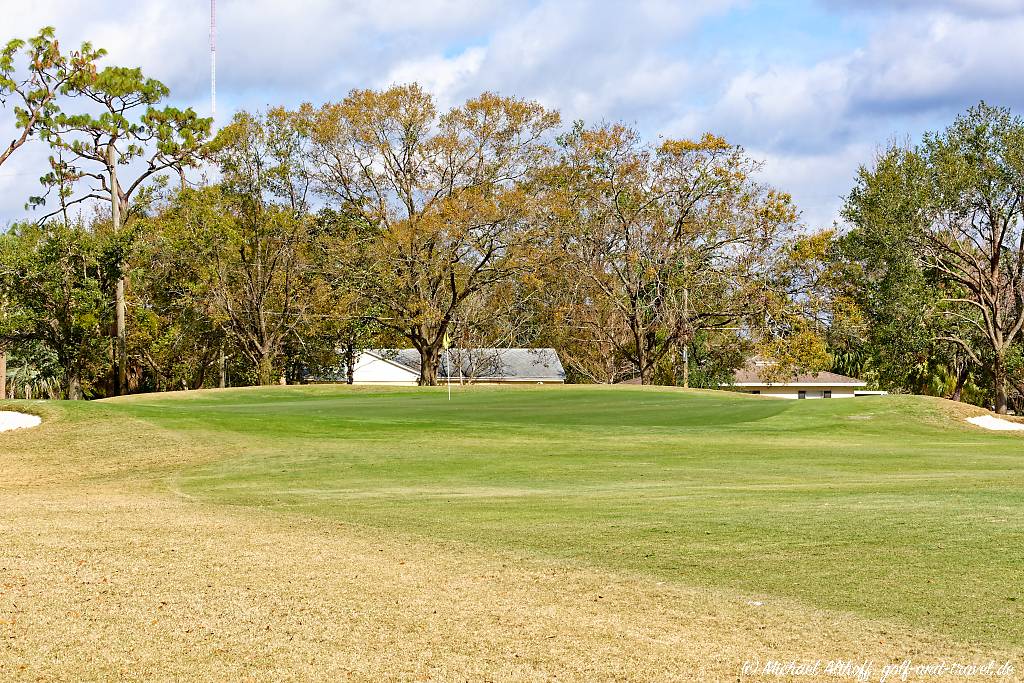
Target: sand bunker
996, 423
11, 420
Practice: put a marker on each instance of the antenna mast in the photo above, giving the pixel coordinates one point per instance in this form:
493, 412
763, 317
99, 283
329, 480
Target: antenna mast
213, 60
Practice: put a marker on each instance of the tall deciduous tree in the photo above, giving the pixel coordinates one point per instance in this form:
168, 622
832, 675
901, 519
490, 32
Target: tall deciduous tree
880, 266
53, 277
964, 224
114, 150
173, 333
252, 269
254, 232
445, 197
660, 242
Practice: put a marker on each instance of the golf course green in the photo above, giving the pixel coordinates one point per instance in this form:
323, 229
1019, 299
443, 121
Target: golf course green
886, 507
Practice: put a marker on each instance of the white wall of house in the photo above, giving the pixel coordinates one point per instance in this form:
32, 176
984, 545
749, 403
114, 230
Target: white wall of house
372, 369
502, 380
814, 391
369, 369
509, 380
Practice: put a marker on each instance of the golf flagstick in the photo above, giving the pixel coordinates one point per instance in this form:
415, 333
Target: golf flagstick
447, 343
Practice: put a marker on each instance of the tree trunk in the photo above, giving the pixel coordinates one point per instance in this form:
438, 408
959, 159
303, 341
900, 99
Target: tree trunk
223, 369
119, 303
3, 375
429, 356
961, 380
1019, 387
644, 365
122, 339
73, 386
350, 363
686, 345
266, 370
291, 374
1000, 380
200, 379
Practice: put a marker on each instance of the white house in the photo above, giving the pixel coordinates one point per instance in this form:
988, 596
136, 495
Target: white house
401, 367
802, 385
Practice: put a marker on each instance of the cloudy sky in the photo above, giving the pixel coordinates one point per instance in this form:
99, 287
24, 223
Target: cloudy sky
811, 87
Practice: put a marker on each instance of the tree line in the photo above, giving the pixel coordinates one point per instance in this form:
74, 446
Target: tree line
160, 254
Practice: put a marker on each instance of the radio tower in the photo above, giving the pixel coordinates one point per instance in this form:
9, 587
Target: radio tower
213, 61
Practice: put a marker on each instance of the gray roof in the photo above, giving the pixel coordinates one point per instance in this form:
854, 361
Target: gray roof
751, 374
485, 364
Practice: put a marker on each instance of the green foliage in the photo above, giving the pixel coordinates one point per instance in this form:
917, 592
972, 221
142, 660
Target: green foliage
888, 279
714, 356
248, 247
51, 278
936, 251
471, 224
124, 127
95, 149
33, 372
174, 335
34, 74
655, 243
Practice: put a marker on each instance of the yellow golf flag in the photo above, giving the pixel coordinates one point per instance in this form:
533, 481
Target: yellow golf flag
446, 342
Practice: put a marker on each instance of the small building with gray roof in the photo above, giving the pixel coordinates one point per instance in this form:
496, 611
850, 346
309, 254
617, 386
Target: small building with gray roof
751, 379
401, 367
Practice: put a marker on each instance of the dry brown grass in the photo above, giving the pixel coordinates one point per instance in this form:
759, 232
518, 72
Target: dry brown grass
962, 411
104, 577
106, 586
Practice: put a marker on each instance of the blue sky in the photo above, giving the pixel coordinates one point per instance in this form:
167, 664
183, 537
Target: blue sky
810, 87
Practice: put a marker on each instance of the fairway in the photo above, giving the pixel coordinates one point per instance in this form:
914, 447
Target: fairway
841, 504
886, 510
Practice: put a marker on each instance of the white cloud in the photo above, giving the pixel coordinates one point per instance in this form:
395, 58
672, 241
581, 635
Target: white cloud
443, 77
787, 107
590, 60
967, 7
813, 124
811, 120
953, 59
818, 181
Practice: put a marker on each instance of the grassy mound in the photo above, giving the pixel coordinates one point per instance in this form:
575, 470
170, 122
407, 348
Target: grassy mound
884, 507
